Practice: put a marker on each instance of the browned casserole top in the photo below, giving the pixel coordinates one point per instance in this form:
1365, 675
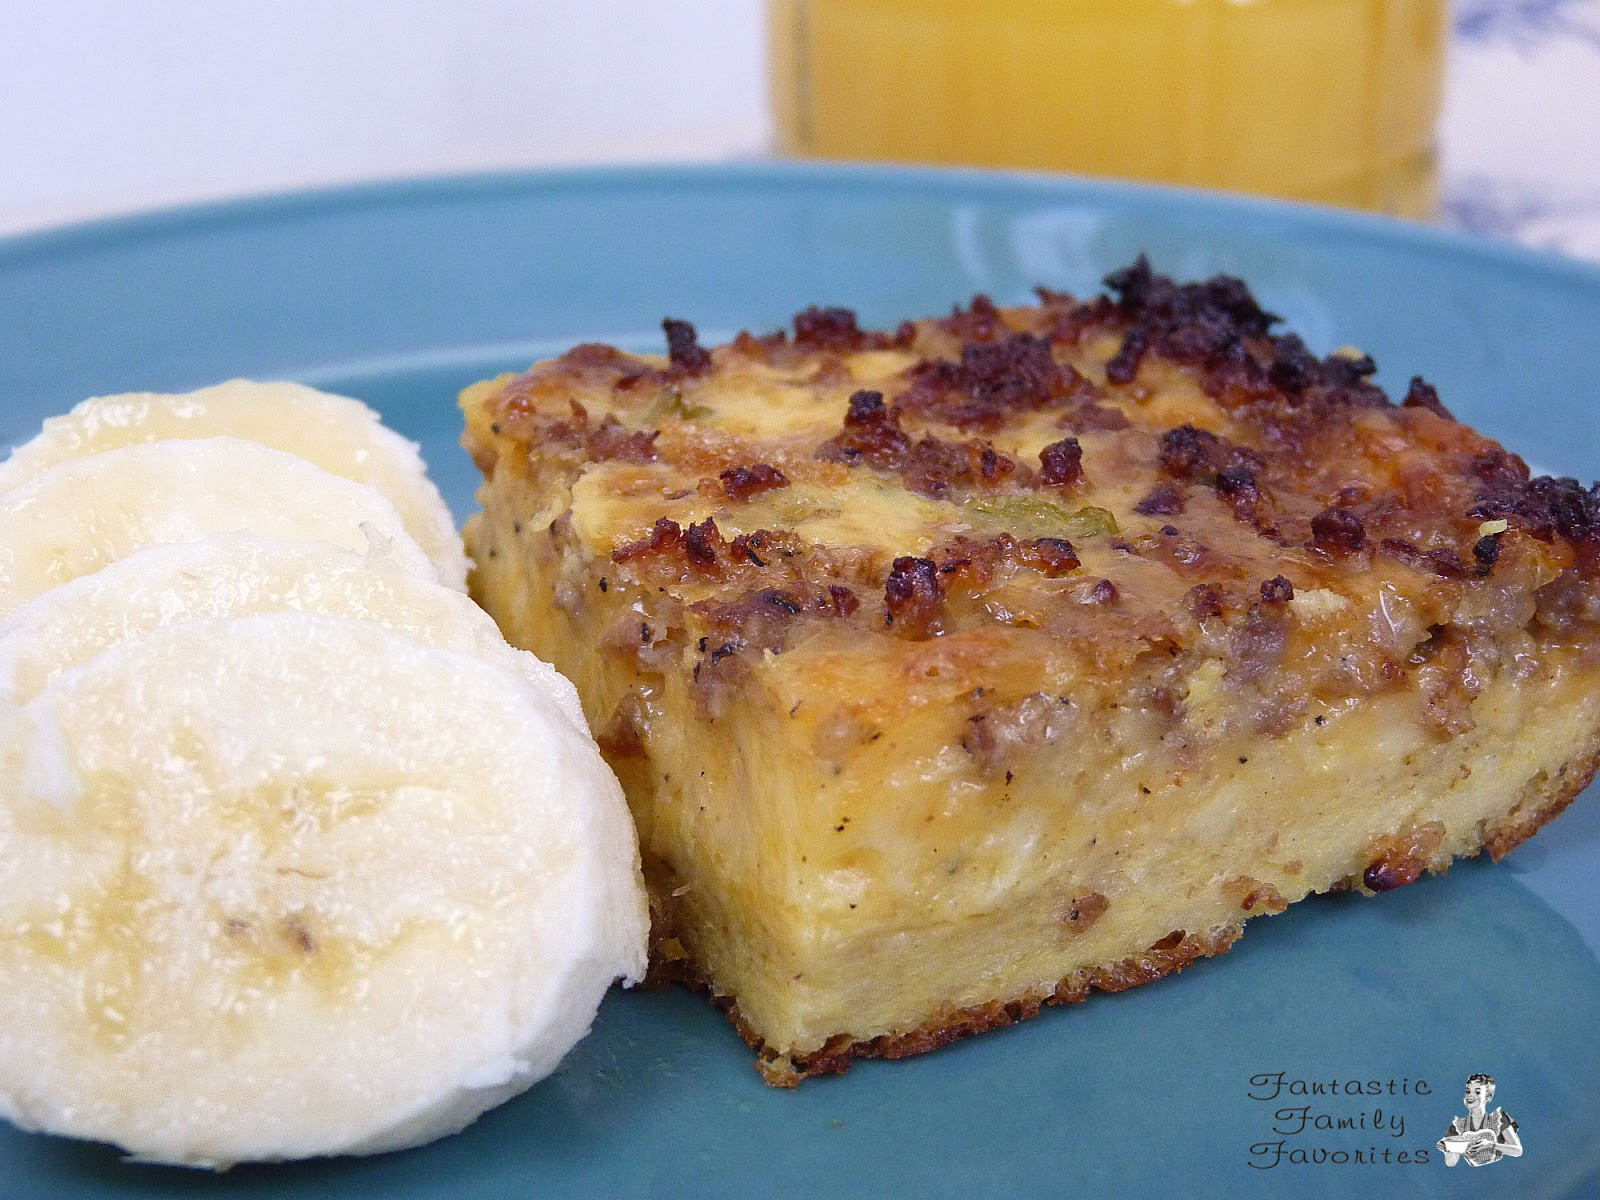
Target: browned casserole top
1136, 483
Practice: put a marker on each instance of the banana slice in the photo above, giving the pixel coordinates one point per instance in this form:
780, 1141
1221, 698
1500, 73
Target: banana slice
84, 513
337, 433
232, 575
294, 885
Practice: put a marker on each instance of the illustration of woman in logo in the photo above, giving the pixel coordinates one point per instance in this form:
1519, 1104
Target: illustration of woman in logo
1481, 1137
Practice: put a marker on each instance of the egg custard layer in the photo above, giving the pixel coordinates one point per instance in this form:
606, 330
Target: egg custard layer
964, 668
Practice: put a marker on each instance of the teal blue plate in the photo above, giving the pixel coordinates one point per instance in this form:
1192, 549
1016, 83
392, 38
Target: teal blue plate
1204, 1085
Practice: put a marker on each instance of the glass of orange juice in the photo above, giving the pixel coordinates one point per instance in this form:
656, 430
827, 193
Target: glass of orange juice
1330, 101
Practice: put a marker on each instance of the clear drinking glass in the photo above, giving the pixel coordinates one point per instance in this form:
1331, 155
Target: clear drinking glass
1330, 101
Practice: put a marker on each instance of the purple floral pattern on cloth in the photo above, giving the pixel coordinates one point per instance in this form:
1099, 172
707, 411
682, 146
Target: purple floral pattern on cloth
1541, 216
1524, 22
1521, 142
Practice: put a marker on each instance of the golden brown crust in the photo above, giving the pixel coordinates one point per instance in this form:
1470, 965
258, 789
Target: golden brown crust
1542, 801
1404, 857
1168, 956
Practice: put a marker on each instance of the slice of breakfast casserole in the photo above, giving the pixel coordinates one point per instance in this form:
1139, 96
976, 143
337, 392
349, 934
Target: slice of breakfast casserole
971, 666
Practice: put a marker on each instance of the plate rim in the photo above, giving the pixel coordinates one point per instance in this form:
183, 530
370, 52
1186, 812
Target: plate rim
1274, 217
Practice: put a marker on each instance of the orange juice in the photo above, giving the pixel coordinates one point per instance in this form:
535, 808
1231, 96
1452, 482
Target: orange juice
1332, 101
